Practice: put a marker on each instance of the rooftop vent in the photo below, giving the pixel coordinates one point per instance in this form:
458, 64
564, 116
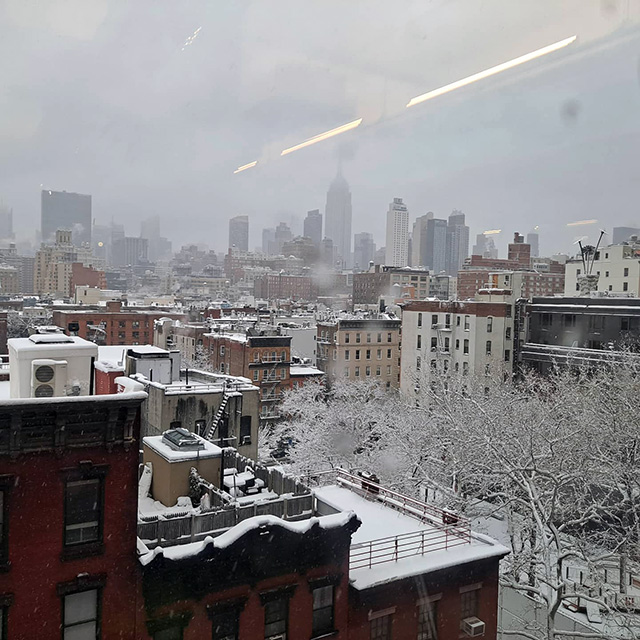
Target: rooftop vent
182, 440
51, 338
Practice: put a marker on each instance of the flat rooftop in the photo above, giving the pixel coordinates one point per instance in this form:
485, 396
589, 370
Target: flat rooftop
388, 531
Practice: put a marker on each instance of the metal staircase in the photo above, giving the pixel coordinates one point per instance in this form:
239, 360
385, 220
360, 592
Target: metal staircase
216, 419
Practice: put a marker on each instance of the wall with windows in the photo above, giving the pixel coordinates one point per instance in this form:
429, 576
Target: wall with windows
68, 547
428, 607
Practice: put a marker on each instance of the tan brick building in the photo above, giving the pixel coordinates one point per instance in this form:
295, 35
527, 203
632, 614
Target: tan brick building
360, 349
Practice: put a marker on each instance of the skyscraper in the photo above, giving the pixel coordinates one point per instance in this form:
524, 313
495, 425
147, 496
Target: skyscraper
436, 245
419, 240
485, 246
397, 246
283, 234
313, 227
364, 249
533, 239
69, 211
337, 219
6, 223
457, 242
239, 233
268, 241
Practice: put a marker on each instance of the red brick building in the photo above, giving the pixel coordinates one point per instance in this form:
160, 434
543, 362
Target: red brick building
287, 287
114, 325
81, 275
68, 499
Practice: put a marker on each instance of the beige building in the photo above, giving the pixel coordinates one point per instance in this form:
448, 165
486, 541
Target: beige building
617, 267
9, 280
54, 265
441, 337
357, 348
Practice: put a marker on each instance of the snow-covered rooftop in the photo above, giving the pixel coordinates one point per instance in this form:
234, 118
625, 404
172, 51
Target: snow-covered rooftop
158, 444
305, 371
380, 521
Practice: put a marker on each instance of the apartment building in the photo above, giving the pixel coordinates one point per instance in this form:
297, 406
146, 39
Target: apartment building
368, 286
617, 267
360, 348
470, 337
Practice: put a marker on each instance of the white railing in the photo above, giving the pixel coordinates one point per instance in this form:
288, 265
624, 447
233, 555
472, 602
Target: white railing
365, 555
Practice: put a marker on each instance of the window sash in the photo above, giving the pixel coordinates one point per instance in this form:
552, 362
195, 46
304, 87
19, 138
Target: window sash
83, 511
276, 613
81, 614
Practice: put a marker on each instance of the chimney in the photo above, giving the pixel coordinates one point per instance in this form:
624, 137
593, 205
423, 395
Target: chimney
114, 306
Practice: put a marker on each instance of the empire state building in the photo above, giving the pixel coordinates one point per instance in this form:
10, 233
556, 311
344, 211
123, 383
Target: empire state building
338, 220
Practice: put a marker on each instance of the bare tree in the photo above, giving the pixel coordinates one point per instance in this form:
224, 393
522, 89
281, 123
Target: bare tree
556, 457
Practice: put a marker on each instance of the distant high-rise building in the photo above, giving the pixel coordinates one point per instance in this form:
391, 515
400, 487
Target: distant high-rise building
130, 251
328, 252
62, 210
313, 227
457, 242
337, 219
622, 234
485, 247
269, 241
533, 240
419, 240
364, 250
397, 246
239, 233
283, 234
436, 245
6, 223
159, 247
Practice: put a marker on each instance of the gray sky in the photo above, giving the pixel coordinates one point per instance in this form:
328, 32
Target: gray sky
102, 97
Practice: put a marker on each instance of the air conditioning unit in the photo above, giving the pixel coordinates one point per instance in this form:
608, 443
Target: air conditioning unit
246, 440
48, 378
473, 627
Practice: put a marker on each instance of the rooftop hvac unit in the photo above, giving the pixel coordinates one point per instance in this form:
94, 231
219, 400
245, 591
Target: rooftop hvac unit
472, 627
48, 378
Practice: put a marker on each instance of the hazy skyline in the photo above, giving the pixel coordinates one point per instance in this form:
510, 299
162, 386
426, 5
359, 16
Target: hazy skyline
104, 98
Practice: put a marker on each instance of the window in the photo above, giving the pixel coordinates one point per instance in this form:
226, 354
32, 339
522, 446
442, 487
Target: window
346, 354
173, 632
457, 321
122, 324
378, 367
388, 337
428, 621
225, 624
379, 354
434, 343
469, 603
368, 371
388, 369
419, 345
419, 319
276, 613
488, 347
507, 333
283, 374
358, 338
465, 348
625, 286
335, 354
381, 628
135, 324
256, 374
346, 338
357, 372
508, 313
434, 319
489, 324
80, 615
507, 355
625, 273
447, 320
546, 319
606, 274
222, 350
457, 344
283, 356
322, 610
83, 508
5, 483
388, 353
357, 354
379, 337
569, 320
222, 367
256, 356
466, 323
368, 337
465, 368
368, 354
446, 344
596, 323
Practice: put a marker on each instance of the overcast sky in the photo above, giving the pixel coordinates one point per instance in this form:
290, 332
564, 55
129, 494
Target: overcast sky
103, 97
